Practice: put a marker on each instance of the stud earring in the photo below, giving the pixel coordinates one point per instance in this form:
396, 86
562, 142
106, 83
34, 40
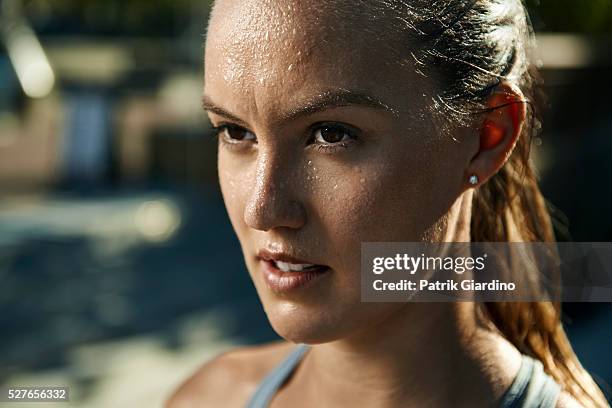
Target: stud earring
473, 180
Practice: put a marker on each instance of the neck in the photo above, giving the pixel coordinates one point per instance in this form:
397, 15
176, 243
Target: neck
422, 354
425, 354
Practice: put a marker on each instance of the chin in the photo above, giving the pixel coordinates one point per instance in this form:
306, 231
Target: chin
307, 331
316, 324
306, 323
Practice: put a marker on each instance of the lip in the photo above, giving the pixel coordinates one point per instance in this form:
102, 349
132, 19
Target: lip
280, 281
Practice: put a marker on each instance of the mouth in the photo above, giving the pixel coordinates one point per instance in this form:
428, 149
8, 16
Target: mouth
283, 273
296, 267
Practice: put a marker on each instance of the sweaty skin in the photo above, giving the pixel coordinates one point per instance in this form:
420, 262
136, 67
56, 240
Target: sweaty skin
398, 180
275, 73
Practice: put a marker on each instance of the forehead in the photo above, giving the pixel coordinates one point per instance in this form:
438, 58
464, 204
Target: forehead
257, 50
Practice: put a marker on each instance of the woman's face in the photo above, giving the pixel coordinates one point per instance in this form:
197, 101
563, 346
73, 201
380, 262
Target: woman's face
323, 146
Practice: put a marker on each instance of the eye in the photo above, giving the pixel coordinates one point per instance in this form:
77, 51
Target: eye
333, 133
233, 134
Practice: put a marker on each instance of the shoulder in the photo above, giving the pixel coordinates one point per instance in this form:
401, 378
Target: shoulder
565, 400
229, 379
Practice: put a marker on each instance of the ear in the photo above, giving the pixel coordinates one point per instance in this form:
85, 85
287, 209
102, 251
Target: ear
498, 130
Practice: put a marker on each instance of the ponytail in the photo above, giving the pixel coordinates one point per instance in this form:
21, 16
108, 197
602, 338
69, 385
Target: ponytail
470, 47
510, 207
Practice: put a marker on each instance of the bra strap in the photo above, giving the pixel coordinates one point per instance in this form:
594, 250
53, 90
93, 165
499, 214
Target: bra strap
532, 387
273, 381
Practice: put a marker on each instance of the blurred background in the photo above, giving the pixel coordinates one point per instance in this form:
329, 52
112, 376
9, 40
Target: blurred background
119, 270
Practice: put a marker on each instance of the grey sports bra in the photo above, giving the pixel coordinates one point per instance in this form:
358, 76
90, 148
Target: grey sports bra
532, 387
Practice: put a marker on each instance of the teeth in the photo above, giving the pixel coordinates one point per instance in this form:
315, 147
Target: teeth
289, 267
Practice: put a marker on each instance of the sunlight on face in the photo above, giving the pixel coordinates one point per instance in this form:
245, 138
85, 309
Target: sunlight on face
320, 149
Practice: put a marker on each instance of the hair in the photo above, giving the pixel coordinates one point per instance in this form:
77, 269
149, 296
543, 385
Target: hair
472, 46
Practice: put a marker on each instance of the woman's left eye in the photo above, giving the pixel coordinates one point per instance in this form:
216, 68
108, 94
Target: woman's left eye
333, 134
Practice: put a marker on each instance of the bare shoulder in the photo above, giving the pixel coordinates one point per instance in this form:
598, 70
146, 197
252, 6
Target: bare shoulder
567, 401
229, 379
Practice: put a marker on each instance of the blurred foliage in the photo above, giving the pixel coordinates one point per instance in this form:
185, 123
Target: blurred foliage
577, 16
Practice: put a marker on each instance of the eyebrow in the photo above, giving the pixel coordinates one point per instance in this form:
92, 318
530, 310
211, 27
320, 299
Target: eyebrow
335, 99
323, 101
209, 105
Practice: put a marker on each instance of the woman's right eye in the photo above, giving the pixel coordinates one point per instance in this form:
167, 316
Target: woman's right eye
233, 134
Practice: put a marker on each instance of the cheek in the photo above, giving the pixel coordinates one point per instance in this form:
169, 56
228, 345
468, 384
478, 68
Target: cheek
396, 198
233, 183
386, 201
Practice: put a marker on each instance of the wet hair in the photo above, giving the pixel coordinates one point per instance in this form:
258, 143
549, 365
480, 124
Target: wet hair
470, 47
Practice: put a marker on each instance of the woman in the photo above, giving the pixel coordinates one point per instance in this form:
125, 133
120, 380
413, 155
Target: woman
378, 120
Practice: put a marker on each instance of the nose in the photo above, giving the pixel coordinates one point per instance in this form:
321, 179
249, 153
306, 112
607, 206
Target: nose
272, 202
